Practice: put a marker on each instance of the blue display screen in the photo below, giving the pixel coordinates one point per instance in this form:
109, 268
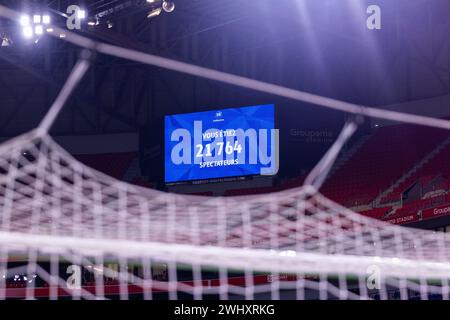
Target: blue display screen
221, 143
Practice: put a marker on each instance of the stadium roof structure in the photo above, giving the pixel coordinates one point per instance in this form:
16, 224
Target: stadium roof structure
345, 61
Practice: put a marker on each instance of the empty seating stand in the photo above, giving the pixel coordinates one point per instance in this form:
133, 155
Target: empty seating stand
438, 165
380, 161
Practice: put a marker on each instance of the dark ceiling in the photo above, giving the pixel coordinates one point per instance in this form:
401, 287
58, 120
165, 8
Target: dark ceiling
320, 46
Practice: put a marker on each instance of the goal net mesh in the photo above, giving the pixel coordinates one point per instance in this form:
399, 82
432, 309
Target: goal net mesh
68, 231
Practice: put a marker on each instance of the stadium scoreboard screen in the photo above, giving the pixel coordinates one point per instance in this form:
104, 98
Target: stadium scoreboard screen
221, 143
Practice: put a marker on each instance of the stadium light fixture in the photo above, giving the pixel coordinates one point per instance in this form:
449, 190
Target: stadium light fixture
46, 19
168, 6
37, 18
39, 30
6, 41
155, 12
35, 25
94, 22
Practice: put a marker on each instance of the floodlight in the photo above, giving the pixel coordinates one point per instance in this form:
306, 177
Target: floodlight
38, 30
28, 32
24, 20
168, 6
155, 12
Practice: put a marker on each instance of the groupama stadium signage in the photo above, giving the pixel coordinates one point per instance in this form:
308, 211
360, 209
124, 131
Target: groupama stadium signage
436, 212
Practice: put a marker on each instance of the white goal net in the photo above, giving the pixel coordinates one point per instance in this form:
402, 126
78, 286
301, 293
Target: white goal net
68, 231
